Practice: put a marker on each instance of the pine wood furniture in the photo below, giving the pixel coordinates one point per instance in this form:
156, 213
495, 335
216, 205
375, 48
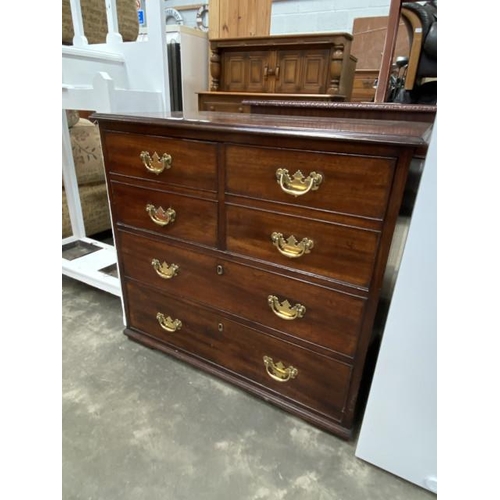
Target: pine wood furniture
254, 247
318, 66
239, 18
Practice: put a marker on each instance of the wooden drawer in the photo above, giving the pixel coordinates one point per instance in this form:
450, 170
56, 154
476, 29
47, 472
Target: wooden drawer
343, 253
320, 383
332, 319
358, 185
364, 85
227, 102
195, 219
193, 163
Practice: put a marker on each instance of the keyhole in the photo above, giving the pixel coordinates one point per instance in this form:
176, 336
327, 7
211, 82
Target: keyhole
220, 270
220, 327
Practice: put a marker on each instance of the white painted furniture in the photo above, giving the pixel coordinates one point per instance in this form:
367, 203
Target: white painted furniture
119, 77
398, 431
194, 60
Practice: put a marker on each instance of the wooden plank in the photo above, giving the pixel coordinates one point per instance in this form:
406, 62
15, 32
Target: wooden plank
196, 6
255, 18
229, 18
263, 12
239, 18
213, 19
244, 26
368, 41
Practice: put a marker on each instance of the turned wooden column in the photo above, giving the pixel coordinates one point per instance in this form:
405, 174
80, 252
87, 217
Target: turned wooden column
215, 69
336, 69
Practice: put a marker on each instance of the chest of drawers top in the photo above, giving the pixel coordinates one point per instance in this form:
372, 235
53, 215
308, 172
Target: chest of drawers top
212, 125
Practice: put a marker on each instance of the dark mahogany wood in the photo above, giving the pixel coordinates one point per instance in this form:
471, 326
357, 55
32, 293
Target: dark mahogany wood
321, 383
356, 185
236, 102
358, 110
228, 203
334, 312
342, 253
195, 219
193, 163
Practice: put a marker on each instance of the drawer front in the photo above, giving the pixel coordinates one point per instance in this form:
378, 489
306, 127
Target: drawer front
343, 253
195, 220
350, 184
328, 318
192, 163
224, 106
320, 383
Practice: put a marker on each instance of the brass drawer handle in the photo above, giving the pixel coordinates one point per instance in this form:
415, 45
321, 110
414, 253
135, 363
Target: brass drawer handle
291, 247
298, 184
169, 324
159, 215
164, 270
285, 310
278, 372
156, 164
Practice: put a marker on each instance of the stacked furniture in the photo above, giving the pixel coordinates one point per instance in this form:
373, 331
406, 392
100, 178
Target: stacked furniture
108, 66
254, 247
295, 67
89, 169
368, 43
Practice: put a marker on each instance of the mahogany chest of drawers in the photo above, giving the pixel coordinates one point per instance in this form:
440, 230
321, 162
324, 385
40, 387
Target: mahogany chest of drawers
254, 246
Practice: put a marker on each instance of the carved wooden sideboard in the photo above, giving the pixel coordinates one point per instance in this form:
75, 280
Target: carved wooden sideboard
314, 66
254, 247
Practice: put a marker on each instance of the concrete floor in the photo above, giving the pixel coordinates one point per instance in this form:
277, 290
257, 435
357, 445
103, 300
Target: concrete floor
139, 425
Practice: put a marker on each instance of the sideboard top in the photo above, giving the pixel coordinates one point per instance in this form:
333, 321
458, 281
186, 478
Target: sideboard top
394, 132
288, 39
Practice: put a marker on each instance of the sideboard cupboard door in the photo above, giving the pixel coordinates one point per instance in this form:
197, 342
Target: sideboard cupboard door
302, 72
247, 72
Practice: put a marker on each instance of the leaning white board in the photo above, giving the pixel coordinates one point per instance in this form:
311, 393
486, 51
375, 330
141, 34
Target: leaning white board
398, 432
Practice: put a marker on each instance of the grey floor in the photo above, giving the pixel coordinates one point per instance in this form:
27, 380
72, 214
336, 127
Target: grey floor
139, 425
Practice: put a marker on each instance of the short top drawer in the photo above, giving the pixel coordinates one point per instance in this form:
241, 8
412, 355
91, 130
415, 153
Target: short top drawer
349, 184
180, 162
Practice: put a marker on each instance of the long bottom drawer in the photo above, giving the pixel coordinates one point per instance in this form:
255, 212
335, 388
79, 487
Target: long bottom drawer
271, 365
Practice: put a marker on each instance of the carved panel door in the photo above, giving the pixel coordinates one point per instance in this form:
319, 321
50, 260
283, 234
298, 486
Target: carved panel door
302, 72
247, 71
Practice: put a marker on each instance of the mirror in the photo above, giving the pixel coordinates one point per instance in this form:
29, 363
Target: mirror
366, 20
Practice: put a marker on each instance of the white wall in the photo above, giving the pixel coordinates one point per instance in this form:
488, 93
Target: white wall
304, 16
188, 16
